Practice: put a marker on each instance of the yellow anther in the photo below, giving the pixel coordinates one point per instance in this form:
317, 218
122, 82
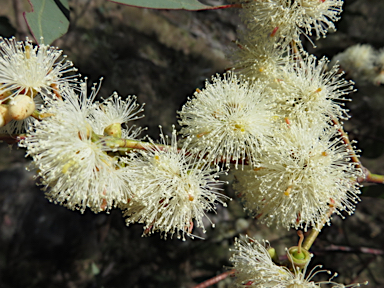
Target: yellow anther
67, 166
190, 197
288, 191
324, 153
198, 90
239, 127
261, 69
28, 52
157, 157
318, 90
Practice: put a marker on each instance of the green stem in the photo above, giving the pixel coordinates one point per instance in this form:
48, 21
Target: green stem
309, 239
374, 178
39, 116
117, 143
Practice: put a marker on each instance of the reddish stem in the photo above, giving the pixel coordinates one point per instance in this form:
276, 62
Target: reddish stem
215, 279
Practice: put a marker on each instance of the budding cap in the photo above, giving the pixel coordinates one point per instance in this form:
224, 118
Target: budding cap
300, 257
4, 115
21, 107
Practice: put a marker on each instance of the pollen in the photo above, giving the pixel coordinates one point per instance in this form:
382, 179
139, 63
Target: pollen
239, 127
28, 52
68, 165
288, 191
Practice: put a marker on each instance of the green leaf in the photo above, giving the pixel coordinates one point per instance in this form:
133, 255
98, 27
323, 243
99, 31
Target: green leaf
192, 5
48, 19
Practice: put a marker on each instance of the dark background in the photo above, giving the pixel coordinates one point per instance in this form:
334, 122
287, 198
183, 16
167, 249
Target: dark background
162, 57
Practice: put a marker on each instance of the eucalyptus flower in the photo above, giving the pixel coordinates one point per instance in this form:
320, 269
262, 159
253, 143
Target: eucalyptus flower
285, 21
76, 167
254, 267
229, 120
173, 190
300, 178
27, 69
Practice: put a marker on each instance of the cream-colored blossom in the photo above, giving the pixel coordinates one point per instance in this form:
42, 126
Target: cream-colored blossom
306, 90
256, 58
300, 178
173, 189
284, 21
73, 164
358, 62
229, 120
27, 69
254, 268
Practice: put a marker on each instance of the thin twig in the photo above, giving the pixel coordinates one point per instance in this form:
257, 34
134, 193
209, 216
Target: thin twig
215, 279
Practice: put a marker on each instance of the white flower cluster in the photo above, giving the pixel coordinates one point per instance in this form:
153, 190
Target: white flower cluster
254, 267
80, 164
75, 165
278, 114
280, 111
363, 63
230, 119
172, 188
300, 179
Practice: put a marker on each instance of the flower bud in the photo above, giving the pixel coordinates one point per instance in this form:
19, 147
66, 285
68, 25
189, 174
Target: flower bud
4, 115
113, 130
21, 107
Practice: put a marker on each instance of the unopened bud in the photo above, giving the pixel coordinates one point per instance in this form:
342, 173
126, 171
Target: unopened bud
4, 116
21, 107
113, 130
